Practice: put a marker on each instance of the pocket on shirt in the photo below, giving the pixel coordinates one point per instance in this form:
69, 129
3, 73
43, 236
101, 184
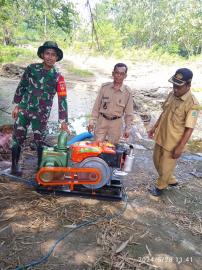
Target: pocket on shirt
120, 107
178, 116
105, 104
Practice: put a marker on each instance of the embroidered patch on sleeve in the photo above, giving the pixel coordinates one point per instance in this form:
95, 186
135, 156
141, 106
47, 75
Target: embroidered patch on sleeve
61, 87
194, 113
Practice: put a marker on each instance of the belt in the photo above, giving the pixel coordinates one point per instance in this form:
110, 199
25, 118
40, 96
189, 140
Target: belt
110, 118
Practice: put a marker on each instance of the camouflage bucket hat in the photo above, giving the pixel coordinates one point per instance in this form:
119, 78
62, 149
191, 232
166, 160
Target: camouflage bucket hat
50, 45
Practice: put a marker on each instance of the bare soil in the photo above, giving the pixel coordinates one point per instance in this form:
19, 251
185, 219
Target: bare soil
143, 233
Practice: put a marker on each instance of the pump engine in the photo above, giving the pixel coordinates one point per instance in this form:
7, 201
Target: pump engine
87, 165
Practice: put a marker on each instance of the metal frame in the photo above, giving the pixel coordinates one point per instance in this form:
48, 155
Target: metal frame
107, 192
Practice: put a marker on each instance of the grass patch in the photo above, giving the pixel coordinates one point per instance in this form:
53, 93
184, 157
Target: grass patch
12, 54
199, 89
145, 54
195, 146
79, 72
136, 54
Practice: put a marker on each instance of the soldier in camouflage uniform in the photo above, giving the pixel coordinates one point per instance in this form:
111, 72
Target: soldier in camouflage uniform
34, 98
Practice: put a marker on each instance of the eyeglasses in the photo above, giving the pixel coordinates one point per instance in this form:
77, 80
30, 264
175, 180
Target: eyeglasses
119, 73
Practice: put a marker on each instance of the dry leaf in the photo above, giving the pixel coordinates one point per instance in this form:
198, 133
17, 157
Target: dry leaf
123, 245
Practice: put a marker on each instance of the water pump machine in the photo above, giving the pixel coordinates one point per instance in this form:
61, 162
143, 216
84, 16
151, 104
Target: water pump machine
86, 168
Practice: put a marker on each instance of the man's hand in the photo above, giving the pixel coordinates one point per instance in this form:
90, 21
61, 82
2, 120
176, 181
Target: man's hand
64, 127
177, 152
179, 148
15, 112
126, 135
90, 127
151, 133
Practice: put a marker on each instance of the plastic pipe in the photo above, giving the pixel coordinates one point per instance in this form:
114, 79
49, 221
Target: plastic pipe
80, 137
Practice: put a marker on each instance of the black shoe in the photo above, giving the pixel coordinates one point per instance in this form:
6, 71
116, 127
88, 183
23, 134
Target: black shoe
174, 184
15, 168
39, 155
156, 191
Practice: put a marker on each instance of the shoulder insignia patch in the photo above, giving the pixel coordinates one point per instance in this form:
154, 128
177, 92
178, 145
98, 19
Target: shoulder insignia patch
194, 113
61, 87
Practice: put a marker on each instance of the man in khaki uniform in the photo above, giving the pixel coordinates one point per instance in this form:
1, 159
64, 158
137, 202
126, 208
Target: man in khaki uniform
173, 129
112, 103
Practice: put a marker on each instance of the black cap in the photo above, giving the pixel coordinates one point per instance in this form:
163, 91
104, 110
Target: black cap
182, 76
50, 45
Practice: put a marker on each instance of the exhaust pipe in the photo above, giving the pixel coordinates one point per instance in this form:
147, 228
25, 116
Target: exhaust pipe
128, 164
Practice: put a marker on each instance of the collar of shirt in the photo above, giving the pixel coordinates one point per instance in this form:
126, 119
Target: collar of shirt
47, 70
122, 88
185, 96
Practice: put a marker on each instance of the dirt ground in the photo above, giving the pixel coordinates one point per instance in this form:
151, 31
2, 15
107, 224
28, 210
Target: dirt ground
142, 232
163, 233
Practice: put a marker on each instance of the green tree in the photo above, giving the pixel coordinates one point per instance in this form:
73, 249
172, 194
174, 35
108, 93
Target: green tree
36, 19
174, 26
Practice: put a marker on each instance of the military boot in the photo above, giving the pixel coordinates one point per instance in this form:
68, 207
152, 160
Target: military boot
39, 155
15, 168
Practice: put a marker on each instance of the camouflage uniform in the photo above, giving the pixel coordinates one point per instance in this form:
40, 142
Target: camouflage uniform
34, 96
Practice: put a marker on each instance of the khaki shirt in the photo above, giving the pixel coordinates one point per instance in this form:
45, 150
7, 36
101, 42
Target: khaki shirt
178, 113
114, 103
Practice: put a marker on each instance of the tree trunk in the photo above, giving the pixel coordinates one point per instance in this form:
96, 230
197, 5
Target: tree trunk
7, 37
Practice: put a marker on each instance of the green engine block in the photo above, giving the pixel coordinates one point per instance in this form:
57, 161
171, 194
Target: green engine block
56, 156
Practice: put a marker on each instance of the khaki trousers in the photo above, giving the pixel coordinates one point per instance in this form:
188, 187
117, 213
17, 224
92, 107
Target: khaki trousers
108, 130
165, 165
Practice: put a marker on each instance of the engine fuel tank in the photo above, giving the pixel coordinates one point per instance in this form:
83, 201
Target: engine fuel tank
81, 150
